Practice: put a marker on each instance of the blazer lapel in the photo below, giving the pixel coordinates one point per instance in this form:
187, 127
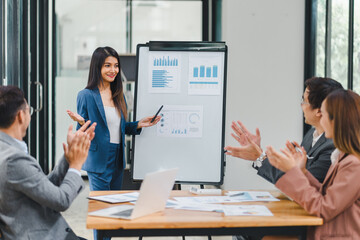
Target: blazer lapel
307, 141
319, 142
96, 94
329, 176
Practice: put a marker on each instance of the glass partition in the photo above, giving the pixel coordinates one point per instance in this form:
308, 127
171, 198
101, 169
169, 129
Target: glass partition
356, 65
339, 41
84, 25
166, 21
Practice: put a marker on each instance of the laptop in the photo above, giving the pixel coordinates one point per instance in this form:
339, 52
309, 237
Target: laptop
154, 192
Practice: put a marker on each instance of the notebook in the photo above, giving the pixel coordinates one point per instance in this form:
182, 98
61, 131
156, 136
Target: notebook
154, 192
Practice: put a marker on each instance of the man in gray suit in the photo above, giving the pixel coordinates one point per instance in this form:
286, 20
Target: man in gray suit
318, 147
30, 201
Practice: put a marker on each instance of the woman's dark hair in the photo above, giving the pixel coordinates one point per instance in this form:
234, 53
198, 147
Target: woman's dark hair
343, 107
319, 88
95, 78
11, 101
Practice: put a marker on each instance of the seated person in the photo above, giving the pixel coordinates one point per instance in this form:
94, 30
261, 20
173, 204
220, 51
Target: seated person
337, 199
30, 201
318, 147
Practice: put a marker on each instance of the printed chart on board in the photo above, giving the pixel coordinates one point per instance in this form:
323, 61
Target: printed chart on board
204, 75
181, 121
164, 73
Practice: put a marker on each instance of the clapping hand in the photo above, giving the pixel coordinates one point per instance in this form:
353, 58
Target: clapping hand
299, 154
242, 135
76, 152
250, 144
84, 128
287, 158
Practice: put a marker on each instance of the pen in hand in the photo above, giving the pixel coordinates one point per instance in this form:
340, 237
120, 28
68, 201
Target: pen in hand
153, 119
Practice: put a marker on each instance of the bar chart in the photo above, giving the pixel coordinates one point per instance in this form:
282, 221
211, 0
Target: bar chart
164, 73
205, 71
161, 79
204, 75
165, 61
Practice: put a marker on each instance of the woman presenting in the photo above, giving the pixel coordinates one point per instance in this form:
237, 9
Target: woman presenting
337, 199
102, 101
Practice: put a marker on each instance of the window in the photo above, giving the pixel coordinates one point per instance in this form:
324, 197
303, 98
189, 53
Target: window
166, 21
11, 43
84, 25
337, 44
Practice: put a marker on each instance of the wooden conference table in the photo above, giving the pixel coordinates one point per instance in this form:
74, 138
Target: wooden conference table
289, 219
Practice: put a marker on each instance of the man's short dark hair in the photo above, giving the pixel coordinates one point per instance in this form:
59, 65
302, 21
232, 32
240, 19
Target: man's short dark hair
319, 88
11, 101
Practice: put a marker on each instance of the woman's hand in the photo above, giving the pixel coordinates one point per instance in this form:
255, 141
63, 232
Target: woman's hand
76, 117
146, 122
283, 161
298, 153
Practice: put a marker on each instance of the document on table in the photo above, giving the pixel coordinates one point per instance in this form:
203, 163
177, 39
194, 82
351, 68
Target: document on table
228, 210
232, 197
117, 198
205, 199
253, 196
246, 210
200, 207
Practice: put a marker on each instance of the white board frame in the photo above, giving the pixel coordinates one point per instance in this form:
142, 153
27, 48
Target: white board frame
200, 160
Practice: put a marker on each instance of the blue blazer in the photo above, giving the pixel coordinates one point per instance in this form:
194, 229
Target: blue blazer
90, 107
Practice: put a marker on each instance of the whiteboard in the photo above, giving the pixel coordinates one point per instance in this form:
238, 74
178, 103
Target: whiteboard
190, 136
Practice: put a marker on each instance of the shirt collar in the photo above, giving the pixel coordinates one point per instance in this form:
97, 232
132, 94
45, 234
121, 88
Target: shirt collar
22, 144
335, 155
316, 137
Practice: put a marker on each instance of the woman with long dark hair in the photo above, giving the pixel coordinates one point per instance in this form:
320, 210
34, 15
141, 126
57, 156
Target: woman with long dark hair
103, 101
337, 199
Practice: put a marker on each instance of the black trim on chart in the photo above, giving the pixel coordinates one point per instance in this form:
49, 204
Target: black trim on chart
187, 46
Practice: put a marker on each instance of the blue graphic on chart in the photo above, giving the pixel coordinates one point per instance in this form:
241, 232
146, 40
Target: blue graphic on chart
205, 74
164, 70
181, 121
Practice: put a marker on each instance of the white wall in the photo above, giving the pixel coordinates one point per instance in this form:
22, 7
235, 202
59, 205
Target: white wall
265, 77
67, 89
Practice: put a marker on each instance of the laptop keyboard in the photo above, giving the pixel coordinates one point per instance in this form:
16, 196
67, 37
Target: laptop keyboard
125, 213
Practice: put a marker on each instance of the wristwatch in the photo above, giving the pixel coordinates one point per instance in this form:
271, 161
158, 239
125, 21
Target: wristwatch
258, 162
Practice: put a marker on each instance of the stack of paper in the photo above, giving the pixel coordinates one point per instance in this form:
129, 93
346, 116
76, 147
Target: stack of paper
117, 198
208, 203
